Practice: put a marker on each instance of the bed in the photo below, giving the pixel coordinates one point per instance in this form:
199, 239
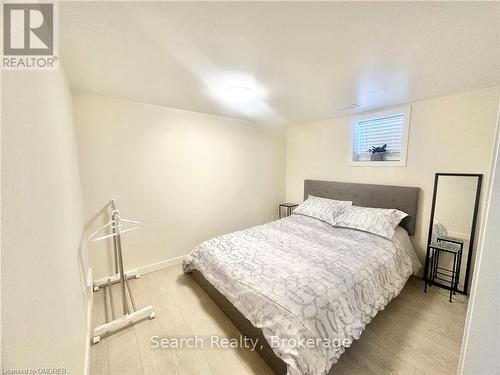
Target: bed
303, 288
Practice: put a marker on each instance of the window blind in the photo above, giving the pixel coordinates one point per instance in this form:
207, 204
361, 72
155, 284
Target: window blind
377, 132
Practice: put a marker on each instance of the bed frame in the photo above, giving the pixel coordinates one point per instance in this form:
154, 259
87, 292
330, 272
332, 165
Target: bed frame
384, 196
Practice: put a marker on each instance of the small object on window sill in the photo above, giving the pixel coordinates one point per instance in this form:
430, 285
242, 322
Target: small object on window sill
377, 156
378, 153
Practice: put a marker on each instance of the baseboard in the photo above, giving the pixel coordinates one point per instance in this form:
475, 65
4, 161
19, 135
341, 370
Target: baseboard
462, 236
160, 265
86, 368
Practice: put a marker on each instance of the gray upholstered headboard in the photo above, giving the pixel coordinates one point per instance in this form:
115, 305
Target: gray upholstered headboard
383, 196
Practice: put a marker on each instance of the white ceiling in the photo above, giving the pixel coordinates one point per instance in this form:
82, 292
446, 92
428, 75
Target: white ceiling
311, 59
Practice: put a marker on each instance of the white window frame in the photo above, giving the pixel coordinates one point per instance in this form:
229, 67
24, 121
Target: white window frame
406, 111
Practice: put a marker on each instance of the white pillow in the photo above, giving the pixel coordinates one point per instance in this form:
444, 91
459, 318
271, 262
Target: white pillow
380, 221
323, 209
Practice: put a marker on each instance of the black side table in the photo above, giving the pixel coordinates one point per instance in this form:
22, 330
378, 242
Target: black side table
285, 209
434, 272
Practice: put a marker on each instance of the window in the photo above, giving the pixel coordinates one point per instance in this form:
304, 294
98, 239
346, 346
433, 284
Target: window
387, 130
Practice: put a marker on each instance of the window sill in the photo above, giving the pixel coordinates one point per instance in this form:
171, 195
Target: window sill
386, 163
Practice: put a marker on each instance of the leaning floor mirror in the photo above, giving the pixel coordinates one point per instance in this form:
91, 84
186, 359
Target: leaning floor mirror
452, 223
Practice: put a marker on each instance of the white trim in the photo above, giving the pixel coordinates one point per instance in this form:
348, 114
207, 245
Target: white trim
387, 163
406, 110
462, 236
86, 369
160, 265
90, 304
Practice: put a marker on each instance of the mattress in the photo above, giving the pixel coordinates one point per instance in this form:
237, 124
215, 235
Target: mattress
310, 287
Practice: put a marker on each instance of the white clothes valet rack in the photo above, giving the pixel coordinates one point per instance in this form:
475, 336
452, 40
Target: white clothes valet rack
114, 229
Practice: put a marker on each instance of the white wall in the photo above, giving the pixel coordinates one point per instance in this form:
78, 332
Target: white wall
43, 303
481, 344
448, 134
186, 176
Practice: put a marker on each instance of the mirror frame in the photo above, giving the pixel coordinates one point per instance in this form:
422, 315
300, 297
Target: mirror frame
473, 226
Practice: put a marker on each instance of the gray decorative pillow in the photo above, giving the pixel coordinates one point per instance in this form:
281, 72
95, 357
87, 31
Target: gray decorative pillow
323, 209
380, 221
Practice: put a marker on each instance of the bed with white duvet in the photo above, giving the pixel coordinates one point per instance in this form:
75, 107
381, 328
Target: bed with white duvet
303, 280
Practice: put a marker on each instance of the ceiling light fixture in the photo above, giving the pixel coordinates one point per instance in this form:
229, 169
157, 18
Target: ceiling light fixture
236, 89
239, 94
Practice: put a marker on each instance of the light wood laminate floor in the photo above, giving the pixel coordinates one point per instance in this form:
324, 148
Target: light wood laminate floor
416, 334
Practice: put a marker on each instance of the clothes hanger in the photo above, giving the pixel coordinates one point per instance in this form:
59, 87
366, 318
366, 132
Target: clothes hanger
111, 224
132, 225
118, 226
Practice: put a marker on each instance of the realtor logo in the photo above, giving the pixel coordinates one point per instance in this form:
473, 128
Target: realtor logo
29, 36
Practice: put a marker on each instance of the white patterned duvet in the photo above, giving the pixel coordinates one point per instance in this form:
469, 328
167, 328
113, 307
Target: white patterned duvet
301, 280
